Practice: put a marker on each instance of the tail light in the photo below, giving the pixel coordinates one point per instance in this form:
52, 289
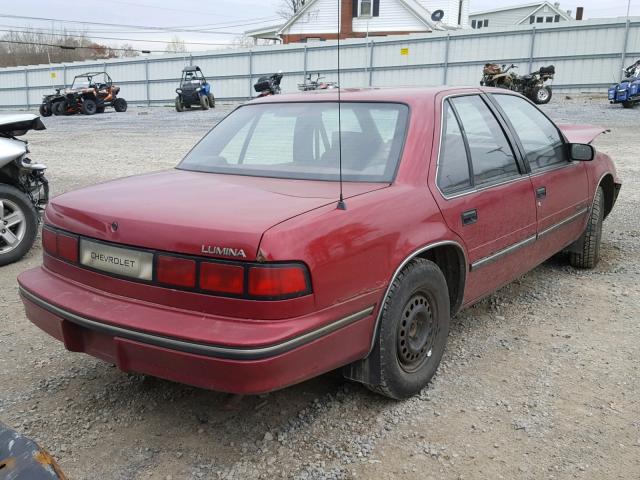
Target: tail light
61, 245
222, 278
180, 272
278, 281
258, 281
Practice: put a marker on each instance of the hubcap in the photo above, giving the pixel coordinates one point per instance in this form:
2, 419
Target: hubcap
416, 333
12, 226
542, 94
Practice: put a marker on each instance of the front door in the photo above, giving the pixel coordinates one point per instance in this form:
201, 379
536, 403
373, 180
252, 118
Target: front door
560, 185
484, 194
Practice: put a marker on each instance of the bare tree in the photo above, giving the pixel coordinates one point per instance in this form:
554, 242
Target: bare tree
126, 50
176, 45
288, 8
242, 42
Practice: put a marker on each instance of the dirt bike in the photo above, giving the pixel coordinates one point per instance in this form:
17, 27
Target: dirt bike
24, 190
533, 86
315, 84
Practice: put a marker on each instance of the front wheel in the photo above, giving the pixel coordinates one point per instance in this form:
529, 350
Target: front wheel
88, 106
413, 330
204, 102
212, 100
589, 253
59, 108
179, 105
120, 105
18, 224
541, 95
45, 110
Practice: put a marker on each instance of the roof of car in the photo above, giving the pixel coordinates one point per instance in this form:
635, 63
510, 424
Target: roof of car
403, 94
191, 68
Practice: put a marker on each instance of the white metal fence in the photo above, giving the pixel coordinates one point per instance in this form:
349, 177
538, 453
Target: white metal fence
588, 56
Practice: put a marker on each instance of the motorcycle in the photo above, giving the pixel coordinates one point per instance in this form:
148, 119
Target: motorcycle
269, 84
24, 190
627, 92
315, 84
532, 86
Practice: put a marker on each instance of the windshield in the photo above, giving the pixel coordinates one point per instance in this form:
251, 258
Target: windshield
80, 82
300, 141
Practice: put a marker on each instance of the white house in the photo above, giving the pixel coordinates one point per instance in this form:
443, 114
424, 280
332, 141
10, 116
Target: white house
326, 19
530, 13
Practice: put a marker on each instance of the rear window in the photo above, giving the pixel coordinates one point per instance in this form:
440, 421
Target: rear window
301, 141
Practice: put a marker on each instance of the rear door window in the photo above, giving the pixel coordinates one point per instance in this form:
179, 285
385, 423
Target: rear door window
453, 165
492, 157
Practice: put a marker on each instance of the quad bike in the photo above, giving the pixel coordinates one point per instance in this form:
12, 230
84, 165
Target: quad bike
627, 92
194, 90
315, 84
532, 86
269, 84
89, 93
46, 107
24, 190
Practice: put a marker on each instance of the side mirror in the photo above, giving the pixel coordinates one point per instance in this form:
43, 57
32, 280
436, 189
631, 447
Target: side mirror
581, 152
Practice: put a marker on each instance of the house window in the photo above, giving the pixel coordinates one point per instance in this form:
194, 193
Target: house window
479, 23
556, 18
365, 8
486, 23
539, 19
532, 19
473, 24
549, 19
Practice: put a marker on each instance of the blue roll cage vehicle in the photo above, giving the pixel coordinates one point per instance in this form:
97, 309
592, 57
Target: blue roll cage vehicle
194, 90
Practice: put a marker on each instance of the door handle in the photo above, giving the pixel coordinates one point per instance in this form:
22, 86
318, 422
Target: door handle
541, 192
469, 217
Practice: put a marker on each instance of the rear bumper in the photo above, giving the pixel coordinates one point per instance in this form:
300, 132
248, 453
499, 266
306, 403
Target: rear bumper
247, 369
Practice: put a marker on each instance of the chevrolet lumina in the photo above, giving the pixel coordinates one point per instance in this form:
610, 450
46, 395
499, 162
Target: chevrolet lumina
240, 271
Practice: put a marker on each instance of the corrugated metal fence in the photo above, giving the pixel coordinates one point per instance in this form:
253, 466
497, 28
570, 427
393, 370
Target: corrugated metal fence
588, 56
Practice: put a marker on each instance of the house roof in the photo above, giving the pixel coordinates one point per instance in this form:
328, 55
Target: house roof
269, 31
412, 6
553, 8
536, 5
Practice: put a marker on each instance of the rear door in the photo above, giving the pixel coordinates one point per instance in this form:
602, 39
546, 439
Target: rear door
484, 193
560, 185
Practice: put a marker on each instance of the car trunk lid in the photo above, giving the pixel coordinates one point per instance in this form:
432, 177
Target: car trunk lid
192, 213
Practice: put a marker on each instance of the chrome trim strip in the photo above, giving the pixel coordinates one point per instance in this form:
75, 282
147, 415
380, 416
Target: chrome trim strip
208, 350
505, 251
563, 222
410, 257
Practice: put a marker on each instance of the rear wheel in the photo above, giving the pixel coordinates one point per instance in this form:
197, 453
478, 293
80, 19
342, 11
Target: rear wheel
204, 102
212, 100
88, 106
45, 110
413, 330
120, 105
627, 104
541, 95
18, 224
590, 241
179, 105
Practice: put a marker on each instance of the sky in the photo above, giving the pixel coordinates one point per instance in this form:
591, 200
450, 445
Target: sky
224, 20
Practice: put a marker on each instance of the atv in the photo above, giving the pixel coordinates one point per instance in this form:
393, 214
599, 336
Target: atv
627, 92
194, 90
46, 107
89, 93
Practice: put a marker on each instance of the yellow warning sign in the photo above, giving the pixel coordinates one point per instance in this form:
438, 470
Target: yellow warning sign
53, 74
404, 51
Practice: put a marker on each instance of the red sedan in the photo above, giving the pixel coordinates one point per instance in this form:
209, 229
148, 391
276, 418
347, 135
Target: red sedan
240, 271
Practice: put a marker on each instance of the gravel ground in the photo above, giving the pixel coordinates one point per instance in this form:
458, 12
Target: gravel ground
541, 380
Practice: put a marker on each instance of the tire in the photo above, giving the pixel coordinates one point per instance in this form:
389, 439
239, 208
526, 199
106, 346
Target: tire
541, 95
179, 106
204, 102
59, 108
212, 100
590, 239
120, 105
413, 330
23, 233
628, 104
88, 106
45, 110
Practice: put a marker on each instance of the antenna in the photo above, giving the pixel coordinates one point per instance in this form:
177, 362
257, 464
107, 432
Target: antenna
341, 204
